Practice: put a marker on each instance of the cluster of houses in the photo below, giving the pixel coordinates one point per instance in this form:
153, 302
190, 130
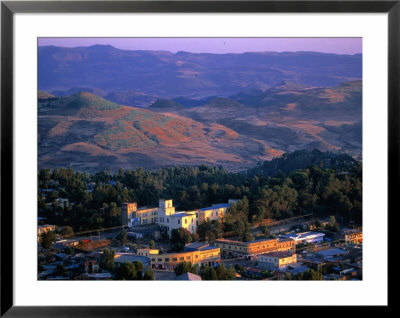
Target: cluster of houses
278, 255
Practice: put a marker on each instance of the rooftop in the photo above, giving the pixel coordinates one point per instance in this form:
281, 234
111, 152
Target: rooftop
188, 276
332, 252
216, 206
181, 214
246, 243
146, 208
121, 258
280, 254
303, 235
197, 245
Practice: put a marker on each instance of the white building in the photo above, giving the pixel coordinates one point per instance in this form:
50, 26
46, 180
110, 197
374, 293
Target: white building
306, 237
214, 212
169, 219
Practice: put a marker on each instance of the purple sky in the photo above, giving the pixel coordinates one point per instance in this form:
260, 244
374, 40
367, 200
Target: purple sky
218, 45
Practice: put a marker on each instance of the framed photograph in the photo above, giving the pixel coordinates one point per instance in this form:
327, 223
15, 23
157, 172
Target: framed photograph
158, 155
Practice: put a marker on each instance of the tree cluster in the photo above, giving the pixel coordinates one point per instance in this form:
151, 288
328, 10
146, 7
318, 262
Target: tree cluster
95, 199
219, 272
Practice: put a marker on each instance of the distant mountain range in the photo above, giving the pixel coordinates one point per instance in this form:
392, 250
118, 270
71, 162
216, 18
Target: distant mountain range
139, 78
86, 131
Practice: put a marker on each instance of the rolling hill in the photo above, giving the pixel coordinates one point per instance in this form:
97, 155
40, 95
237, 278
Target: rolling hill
86, 131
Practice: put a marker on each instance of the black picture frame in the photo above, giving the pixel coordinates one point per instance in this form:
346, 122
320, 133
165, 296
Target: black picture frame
9, 8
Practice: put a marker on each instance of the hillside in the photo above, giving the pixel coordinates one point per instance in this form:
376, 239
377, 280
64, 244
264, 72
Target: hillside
86, 131
289, 117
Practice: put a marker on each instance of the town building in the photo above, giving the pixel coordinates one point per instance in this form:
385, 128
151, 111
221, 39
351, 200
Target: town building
127, 209
143, 216
147, 252
169, 219
45, 228
353, 237
212, 213
305, 237
277, 261
207, 255
232, 248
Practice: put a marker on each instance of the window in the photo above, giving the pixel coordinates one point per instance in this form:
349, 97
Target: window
167, 259
196, 256
181, 258
160, 260
153, 259
179, 221
167, 220
174, 259
188, 258
185, 221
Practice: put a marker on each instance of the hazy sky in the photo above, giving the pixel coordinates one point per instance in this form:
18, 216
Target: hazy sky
218, 45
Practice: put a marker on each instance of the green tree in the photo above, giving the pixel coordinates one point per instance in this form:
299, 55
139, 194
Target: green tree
124, 237
130, 271
68, 250
148, 275
220, 272
126, 271
152, 244
265, 229
67, 231
311, 274
332, 224
185, 267
107, 259
47, 239
180, 237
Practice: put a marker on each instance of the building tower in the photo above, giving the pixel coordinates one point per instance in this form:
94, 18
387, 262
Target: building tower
127, 212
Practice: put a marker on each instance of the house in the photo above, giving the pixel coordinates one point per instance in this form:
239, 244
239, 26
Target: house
143, 216
45, 228
276, 261
353, 237
212, 213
